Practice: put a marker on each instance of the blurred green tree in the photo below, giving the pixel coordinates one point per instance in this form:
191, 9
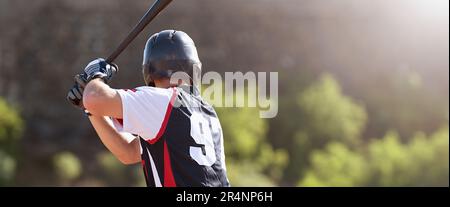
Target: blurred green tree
421, 162
329, 114
336, 166
424, 161
117, 174
67, 166
325, 115
11, 128
251, 160
114, 170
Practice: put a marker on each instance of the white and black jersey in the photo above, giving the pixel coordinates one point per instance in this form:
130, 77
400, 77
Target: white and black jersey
180, 135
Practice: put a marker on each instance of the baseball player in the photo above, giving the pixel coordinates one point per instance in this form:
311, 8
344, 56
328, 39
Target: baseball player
166, 125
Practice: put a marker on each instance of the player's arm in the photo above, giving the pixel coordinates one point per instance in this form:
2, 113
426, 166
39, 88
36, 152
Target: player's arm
101, 100
125, 148
104, 101
98, 98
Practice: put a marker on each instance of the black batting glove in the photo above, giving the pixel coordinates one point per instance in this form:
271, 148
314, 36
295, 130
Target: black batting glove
99, 68
75, 95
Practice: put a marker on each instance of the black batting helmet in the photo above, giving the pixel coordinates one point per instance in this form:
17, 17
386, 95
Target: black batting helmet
168, 52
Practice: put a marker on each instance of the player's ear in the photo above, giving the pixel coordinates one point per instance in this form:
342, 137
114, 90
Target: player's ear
147, 78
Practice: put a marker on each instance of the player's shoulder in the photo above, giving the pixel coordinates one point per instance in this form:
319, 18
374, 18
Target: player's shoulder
146, 94
154, 90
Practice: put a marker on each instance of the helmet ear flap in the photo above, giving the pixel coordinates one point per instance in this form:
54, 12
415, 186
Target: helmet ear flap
147, 78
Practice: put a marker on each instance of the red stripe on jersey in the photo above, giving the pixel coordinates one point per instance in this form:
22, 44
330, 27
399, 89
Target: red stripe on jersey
133, 90
120, 121
169, 180
162, 129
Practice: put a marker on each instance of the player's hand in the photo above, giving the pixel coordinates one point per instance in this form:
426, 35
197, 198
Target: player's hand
99, 68
75, 95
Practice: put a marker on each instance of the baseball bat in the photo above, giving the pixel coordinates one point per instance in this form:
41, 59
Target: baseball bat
154, 10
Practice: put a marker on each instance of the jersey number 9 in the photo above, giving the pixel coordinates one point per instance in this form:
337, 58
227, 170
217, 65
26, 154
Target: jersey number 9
202, 131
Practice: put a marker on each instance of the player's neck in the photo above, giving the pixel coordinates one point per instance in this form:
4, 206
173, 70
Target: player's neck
165, 83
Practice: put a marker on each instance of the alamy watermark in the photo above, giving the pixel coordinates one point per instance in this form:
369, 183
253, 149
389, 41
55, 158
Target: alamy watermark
237, 89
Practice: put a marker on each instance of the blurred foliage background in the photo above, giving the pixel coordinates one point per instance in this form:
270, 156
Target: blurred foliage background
364, 88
